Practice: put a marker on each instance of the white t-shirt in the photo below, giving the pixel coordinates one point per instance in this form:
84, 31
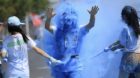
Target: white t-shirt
128, 39
17, 55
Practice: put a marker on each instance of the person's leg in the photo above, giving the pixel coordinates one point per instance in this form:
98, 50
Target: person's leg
137, 75
129, 63
123, 74
132, 75
137, 69
67, 74
58, 74
1, 75
75, 74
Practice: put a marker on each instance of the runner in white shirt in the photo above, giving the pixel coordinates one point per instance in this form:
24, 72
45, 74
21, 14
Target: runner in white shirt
15, 47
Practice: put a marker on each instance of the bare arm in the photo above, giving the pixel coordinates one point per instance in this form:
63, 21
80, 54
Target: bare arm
41, 52
92, 13
115, 46
50, 14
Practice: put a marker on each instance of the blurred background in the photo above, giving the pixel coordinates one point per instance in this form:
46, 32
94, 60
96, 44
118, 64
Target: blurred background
108, 23
32, 13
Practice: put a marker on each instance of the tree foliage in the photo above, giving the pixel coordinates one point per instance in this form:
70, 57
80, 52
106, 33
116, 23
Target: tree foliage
20, 7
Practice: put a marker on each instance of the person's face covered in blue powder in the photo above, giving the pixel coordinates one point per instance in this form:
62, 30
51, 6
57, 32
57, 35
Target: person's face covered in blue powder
68, 20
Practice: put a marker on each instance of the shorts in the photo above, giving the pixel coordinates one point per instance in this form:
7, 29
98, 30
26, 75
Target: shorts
130, 62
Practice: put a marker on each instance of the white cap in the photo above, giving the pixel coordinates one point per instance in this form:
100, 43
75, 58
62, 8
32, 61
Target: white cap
13, 20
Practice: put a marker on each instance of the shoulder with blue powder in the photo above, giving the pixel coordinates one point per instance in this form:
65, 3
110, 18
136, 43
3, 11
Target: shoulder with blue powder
127, 33
83, 31
128, 38
124, 36
124, 32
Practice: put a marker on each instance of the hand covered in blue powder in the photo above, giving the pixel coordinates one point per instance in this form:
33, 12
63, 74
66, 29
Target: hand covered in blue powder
54, 61
106, 49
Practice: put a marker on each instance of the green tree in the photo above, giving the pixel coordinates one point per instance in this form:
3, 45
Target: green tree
21, 7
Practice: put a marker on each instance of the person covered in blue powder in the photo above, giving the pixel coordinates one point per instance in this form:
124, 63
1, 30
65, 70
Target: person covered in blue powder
68, 39
129, 44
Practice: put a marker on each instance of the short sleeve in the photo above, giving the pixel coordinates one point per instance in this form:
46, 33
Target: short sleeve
83, 31
31, 42
124, 37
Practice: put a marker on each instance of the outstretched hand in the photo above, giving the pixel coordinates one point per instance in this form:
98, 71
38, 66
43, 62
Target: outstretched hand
93, 11
54, 61
106, 49
50, 13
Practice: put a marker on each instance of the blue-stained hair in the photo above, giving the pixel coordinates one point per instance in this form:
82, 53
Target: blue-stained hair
67, 17
67, 20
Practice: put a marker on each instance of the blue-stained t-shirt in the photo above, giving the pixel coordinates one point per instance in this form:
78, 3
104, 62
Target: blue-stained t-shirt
73, 40
128, 39
70, 45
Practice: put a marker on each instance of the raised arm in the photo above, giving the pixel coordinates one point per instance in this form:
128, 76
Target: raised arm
92, 13
50, 14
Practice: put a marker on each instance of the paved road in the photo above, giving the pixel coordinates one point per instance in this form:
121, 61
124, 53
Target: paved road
38, 67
